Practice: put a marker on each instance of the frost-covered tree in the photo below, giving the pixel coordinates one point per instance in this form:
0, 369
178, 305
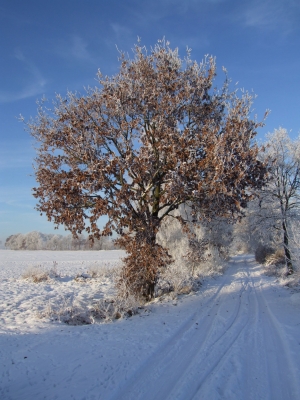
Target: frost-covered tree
271, 216
152, 137
31, 241
206, 247
11, 242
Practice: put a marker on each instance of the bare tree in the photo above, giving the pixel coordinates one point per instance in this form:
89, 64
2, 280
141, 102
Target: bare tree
279, 200
152, 137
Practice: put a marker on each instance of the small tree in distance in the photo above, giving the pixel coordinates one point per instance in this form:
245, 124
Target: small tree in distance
279, 200
152, 137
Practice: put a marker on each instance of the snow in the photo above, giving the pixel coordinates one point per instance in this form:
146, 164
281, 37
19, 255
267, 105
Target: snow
237, 338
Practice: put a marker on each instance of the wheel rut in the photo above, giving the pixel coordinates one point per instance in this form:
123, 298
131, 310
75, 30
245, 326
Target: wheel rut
197, 341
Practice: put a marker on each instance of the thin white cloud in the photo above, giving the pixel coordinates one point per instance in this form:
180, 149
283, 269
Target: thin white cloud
154, 12
79, 48
35, 86
270, 15
151, 13
193, 43
75, 48
121, 36
15, 156
34, 89
263, 15
18, 195
120, 31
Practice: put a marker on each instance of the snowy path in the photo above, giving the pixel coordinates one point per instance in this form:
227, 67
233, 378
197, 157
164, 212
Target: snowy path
239, 338
232, 347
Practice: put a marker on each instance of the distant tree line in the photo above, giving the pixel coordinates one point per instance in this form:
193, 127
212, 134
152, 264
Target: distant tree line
41, 241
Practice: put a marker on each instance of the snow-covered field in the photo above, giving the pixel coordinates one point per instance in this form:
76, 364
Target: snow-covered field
24, 300
237, 338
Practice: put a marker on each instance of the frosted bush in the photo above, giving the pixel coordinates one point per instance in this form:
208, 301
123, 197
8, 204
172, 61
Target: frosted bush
275, 265
262, 252
106, 270
115, 308
176, 278
68, 311
276, 258
39, 273
214, 241
75, 311
72, 311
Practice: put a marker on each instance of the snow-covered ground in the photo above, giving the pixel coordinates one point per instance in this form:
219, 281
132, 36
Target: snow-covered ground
237, 338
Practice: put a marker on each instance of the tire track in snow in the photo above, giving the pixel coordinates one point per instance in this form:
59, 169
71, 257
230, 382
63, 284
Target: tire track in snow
209, 359
228, 378
189, 342
282, 385
272, 373
237, 350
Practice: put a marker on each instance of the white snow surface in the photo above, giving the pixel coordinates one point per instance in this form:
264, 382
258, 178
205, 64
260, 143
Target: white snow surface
237, 338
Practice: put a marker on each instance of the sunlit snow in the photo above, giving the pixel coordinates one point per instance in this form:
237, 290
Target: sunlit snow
237, 338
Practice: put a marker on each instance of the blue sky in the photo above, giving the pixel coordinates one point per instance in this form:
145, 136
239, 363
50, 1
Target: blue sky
50, 47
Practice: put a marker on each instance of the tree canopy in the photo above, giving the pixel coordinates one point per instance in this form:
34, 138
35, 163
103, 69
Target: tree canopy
152, 137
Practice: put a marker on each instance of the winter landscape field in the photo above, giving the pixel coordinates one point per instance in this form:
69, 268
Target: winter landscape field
236, 337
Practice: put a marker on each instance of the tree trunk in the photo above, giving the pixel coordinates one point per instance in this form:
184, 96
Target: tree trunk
150, 290
287, 250
151, 284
